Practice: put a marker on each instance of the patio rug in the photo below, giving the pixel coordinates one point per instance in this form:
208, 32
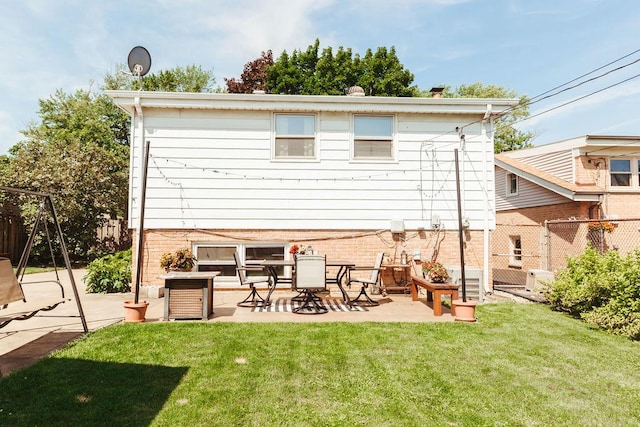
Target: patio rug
286, 305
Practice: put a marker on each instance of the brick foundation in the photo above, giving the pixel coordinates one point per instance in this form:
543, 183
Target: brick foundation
358, 246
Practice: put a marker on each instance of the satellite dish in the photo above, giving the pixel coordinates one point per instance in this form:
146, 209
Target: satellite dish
139, 61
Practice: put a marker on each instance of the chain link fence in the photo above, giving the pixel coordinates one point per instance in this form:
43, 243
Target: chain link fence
569, 238
519, 249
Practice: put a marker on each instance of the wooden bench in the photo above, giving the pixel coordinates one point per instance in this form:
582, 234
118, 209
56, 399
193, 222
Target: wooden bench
435, 291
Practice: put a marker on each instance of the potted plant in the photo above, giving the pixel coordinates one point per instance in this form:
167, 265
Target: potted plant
435, 272
180, 260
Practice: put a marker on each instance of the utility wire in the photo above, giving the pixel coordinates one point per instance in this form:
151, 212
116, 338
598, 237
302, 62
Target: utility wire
544, 95
584, 82
586, 74
579, 98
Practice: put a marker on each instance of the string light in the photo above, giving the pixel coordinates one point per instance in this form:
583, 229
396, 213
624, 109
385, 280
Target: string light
268, 178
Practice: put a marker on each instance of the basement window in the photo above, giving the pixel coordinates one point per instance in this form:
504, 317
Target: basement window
219, 257
515, 251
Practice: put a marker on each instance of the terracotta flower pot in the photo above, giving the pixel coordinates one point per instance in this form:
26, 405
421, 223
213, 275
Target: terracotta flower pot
135, 312
465, 310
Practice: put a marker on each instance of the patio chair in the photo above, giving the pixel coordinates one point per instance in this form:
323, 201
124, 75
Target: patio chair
363, 299
310, 278
253, 299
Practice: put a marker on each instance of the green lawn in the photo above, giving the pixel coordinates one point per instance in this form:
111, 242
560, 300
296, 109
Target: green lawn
520, 365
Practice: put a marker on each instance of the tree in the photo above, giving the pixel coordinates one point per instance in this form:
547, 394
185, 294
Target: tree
384, 75
85, 116
85, 181
254, 76
506, 136
308, 73
191, 78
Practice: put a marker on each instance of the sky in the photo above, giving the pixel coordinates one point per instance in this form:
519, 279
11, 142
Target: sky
529, 47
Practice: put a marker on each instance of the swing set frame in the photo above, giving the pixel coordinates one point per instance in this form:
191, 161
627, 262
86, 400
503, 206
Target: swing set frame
46, 204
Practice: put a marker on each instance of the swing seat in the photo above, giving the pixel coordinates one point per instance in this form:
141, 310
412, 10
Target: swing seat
13, 303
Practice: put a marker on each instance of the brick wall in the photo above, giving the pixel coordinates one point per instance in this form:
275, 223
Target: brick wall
590, 171
538, 215
356, 246
624, 205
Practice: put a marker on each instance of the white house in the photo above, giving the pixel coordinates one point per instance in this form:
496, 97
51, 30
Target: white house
349, 175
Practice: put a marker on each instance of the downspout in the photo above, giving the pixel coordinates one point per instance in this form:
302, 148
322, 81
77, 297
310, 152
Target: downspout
487, 144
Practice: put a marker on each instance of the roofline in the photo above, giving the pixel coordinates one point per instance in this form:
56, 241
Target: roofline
548, 181
130, 100
580, 144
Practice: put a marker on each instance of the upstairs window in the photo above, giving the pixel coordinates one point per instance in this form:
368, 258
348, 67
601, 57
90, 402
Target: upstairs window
620, 172
373, 138
512, 184
295, 136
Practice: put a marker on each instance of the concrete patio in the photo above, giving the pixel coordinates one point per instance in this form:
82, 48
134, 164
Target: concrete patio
24, 342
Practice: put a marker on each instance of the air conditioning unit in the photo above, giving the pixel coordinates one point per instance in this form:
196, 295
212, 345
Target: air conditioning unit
537, 280
473, 279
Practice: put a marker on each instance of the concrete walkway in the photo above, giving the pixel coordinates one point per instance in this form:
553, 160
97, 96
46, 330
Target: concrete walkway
24, 342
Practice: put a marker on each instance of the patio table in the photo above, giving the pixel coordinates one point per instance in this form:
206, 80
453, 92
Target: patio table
272, 264
343, 269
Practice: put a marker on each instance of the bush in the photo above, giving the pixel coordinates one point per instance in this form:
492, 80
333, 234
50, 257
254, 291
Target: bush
109, 274
602, 289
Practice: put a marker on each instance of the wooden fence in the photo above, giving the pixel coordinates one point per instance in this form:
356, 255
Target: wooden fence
13, 237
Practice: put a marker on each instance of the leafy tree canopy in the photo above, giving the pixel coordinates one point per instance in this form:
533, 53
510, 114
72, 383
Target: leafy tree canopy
253, 77
192, 78
312, 72
85, 180
84, 116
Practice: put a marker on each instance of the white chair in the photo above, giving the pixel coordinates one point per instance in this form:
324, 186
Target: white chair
372, 280
310, 278
254, 299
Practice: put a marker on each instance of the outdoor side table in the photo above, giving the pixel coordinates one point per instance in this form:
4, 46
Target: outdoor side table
188, 295
399, 283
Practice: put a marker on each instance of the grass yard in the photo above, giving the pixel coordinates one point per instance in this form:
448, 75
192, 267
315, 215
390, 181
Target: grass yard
520, 365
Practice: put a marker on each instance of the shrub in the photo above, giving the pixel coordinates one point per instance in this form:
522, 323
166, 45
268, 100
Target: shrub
604, 290
109, 274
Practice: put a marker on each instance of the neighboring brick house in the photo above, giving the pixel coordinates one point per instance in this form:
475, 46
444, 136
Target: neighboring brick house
576, 180
257, 173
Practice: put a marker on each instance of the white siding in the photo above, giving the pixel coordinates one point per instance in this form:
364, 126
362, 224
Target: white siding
529, 194
212, 169
559, 163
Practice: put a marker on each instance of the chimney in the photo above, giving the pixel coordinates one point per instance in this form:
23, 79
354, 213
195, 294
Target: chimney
436, 92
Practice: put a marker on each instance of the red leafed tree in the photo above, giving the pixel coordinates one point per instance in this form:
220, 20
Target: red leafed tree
254, 76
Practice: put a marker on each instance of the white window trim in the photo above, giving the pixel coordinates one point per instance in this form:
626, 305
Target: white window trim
633, 175
508, 192
395, 149
316, 139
